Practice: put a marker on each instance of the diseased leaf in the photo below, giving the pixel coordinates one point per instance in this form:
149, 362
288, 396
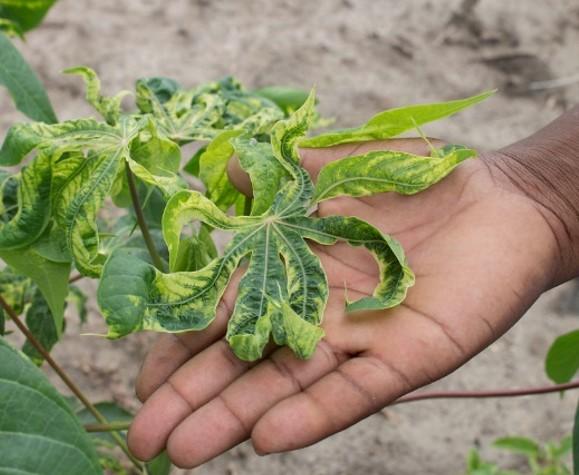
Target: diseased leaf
563, 358
90, 156
186, 115
22, 83
267, 175
386, 170
39, 434
108, 107
33, 206
50, 277
41, 324
15, 289
284, 290
393, 122
213, 170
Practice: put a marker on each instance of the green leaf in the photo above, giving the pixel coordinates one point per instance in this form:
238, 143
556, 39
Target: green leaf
186, 115
50, 277
288, 99
267, 175
41, 324
22, 83
33, 206
27, 14
90, 155
519, 445
108, 107
213, 170
192, 166
382, 171
393, 122
2, 322
563, 358
39, 434
284, 290
79, 299
160, 465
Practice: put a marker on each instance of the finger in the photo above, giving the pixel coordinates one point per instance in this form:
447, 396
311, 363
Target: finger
227, 420
313, 159
170, 351
359, 387
191, 386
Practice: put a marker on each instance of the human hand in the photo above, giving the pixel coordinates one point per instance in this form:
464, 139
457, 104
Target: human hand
482, 253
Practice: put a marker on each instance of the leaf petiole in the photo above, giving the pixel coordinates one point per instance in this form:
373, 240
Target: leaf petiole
155, 257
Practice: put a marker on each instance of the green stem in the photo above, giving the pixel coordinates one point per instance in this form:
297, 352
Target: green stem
155, 257
65, 378
110, 427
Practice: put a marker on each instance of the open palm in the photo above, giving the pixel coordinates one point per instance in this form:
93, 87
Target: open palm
481, 253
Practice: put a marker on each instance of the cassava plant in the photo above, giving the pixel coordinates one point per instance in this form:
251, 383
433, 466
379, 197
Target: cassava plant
112, 199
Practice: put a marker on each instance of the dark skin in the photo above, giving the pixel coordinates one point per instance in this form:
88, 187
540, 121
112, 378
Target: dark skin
483, 250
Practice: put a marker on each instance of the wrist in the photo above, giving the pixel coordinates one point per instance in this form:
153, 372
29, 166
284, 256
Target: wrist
545, 168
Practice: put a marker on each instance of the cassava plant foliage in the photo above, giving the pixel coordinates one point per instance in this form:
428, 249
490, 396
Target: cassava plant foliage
112, 198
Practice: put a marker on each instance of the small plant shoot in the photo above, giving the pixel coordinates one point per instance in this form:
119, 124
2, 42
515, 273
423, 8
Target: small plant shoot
79, 164
283, 292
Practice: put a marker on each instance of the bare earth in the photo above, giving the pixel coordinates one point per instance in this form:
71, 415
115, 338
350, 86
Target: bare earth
363, 56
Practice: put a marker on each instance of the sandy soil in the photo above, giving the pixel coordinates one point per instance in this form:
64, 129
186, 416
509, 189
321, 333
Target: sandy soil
363, 56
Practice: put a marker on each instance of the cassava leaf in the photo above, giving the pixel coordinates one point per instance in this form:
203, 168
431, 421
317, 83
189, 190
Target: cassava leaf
563, 358
284, 290
78, 298
10, 28
393, 122
27, 14
108, 107
22, 83
213, 170
41, 324
90, 155
39, 434
386, 170
33, 205
15, 289
519, 445
186, 115
288, 99
267, 175
50, 277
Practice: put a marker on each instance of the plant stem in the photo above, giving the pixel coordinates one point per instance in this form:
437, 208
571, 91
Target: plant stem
155, 257
75, 278
501, 393
64, 377
247, 204
110, 427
